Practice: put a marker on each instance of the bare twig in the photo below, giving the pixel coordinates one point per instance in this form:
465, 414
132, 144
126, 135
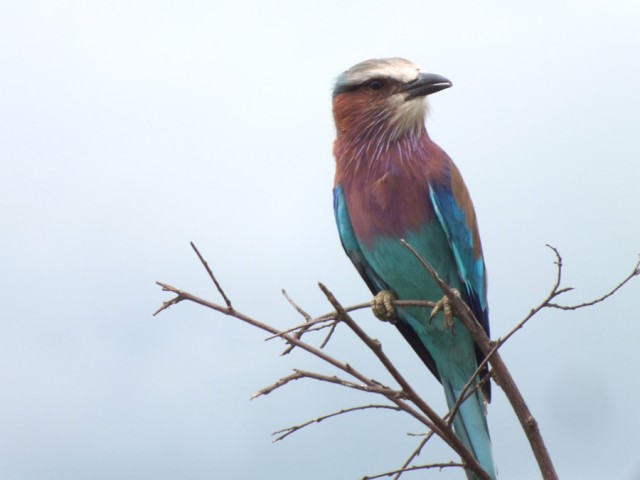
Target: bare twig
559, 263
329, 335
413, 303
308, 318
218, 287
302, 329
305, 327
372, 387
352, 308
289, 430
556, 291
174, 301
439, 466
296, 375
634, 273
414, 454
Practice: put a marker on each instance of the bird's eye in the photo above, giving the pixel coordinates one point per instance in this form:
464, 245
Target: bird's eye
375, 84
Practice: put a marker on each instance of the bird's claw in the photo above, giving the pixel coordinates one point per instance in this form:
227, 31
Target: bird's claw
445, 306
382, 306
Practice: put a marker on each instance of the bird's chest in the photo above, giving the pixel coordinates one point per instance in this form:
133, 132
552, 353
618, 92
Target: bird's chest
390, 204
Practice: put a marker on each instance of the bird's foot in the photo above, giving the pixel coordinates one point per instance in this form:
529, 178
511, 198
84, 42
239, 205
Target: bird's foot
444, 305
382, 306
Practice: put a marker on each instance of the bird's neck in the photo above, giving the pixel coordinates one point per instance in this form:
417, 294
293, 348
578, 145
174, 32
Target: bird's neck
385, 184
376, 152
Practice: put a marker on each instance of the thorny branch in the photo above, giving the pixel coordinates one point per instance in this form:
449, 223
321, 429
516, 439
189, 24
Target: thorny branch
404, 398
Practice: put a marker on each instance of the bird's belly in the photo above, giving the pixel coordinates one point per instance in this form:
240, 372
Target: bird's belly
403, 273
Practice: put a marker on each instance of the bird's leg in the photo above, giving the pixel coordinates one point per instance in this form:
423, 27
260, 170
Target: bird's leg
444, 305
383, 308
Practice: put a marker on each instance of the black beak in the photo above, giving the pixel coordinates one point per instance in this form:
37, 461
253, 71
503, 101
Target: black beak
426, 84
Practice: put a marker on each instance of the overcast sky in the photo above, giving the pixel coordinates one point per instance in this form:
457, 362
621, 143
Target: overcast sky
129, 128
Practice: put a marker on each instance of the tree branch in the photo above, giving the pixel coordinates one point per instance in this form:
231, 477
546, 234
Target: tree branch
289, 430
414, 454
501, 373
436, 422
373, 386
212, 276
404, 398
634, 273
439, 466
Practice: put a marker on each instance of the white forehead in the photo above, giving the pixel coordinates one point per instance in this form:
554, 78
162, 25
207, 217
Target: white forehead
396, 68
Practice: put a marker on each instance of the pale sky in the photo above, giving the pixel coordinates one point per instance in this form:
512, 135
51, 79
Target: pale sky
129, 128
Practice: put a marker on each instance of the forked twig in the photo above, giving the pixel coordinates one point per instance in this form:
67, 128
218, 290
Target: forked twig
634, 273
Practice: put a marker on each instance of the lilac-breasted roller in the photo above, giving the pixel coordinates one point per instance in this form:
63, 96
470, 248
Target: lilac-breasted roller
393, 182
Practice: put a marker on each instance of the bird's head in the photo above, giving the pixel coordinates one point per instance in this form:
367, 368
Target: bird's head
383, 97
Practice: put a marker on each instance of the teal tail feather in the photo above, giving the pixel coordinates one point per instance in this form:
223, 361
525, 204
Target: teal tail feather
470, 425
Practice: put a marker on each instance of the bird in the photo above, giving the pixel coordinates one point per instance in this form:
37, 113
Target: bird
392, 182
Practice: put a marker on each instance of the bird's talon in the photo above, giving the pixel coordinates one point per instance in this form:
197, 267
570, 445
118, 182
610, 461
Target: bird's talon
444, 305
382, 306
435, 311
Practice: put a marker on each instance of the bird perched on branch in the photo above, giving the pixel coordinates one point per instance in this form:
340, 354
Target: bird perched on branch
393, 182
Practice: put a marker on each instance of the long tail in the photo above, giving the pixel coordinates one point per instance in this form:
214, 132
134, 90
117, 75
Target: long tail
470, 425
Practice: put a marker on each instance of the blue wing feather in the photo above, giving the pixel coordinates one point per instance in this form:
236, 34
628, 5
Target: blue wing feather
453, 219
472, 270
